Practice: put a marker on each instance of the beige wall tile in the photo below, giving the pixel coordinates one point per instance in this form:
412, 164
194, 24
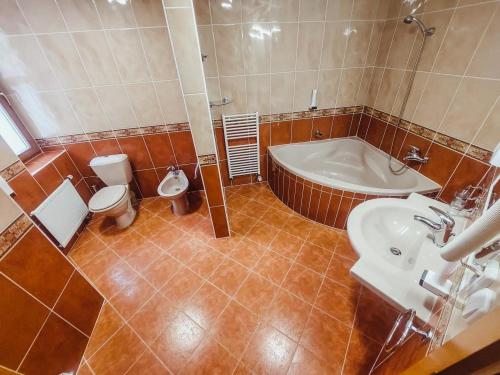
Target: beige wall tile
488, 136
339, 10
283, 47
309, 50
439, 20
305, 82
148, 12
228, 40
201, 125
259, 93
365, 9
418, 87
11, 19
234, 88
256, 11
117, 107
388, 90
376, 36
470, 107
202, 12
349, 87
385, 43
363, 94
86, 105
373, 89
334, 45
10, 211
257, 47
282, 86
328, 88
7, 156
80, 14
208, 48
404, 39
437, 95
312, 10
285, 10
43, 15
224, 14
184, 38
463, 35
145, 104
24, 66
487, 58
115, 14
431, 6
127, 50
358, 43
171, 101
178, 3
64, 59
97, 57
158, 49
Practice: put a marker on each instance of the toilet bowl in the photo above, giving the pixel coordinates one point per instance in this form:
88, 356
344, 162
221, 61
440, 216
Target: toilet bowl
174, 187
114, 201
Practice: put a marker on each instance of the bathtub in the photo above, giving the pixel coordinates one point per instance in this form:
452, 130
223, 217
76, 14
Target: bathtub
324, 180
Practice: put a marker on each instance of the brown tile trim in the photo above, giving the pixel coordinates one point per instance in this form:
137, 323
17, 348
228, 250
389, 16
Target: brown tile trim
289, 116
213, 187
111, 134
432, 135
207, 159
219, 221
13, 233
12, 170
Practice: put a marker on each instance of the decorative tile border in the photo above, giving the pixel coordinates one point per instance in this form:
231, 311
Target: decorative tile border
207, 159
432, 135
13, 232
109, 134
289, 116
13, 170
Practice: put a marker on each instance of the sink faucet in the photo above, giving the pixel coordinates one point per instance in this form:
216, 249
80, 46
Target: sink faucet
414, 155
174, 169
442, 231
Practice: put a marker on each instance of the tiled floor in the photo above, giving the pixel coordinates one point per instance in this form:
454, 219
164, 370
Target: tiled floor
274, 298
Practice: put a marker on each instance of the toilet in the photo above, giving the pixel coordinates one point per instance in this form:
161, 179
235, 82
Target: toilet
174, 187
114, 200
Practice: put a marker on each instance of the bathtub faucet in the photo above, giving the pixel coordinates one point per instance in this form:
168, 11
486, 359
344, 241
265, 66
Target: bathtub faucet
442, 231
414, 155
318, 133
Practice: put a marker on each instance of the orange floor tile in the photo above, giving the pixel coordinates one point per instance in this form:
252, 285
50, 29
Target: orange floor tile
276, 297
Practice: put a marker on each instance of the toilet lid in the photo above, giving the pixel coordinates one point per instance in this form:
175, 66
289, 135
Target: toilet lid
107, 197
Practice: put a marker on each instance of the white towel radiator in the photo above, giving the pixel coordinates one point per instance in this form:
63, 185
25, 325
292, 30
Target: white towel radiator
242, 158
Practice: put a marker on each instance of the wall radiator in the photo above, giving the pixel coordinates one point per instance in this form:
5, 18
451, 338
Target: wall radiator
62, 212
241, 136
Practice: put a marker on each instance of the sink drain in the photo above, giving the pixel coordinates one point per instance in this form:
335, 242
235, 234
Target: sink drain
395, 251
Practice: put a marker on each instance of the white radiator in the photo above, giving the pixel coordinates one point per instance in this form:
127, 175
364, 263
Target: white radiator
62, 212
243, 158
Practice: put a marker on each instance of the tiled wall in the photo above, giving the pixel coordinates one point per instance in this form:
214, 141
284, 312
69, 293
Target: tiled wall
267, 56
448, 165
80, 67
47, 309
457, 87
186, 47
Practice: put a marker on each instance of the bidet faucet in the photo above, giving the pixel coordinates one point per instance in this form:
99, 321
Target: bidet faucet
440, 232
414, 155
174, 169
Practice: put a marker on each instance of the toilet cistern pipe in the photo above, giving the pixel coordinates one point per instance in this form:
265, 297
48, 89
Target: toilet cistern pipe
314, 100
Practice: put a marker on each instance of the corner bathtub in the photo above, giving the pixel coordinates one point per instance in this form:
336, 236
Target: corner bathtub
325, 180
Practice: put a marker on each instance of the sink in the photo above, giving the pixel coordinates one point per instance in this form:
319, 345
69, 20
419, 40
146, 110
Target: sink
394, 250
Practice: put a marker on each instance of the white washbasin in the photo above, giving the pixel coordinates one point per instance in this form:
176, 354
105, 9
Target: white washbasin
394, 250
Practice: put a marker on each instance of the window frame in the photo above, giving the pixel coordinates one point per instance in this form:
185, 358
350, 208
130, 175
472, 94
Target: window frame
34, 148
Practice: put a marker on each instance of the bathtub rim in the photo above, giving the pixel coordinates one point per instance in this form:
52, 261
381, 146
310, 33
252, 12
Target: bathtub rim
349, 186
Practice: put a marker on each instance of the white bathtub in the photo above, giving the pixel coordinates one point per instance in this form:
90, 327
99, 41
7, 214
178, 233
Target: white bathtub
349, 164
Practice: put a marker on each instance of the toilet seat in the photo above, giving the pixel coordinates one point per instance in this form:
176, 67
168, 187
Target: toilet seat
107, 197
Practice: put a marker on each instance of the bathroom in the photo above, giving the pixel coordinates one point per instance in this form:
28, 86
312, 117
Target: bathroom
244, 186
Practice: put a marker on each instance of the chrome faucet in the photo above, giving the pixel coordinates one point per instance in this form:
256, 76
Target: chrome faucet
318, 133
440, 232
174, 169
414, 155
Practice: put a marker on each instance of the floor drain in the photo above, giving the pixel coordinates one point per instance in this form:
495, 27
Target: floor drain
395, 251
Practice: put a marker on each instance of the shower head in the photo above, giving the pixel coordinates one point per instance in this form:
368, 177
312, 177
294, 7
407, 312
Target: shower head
426, 31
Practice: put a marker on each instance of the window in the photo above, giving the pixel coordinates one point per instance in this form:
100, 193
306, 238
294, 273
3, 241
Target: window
14, 133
